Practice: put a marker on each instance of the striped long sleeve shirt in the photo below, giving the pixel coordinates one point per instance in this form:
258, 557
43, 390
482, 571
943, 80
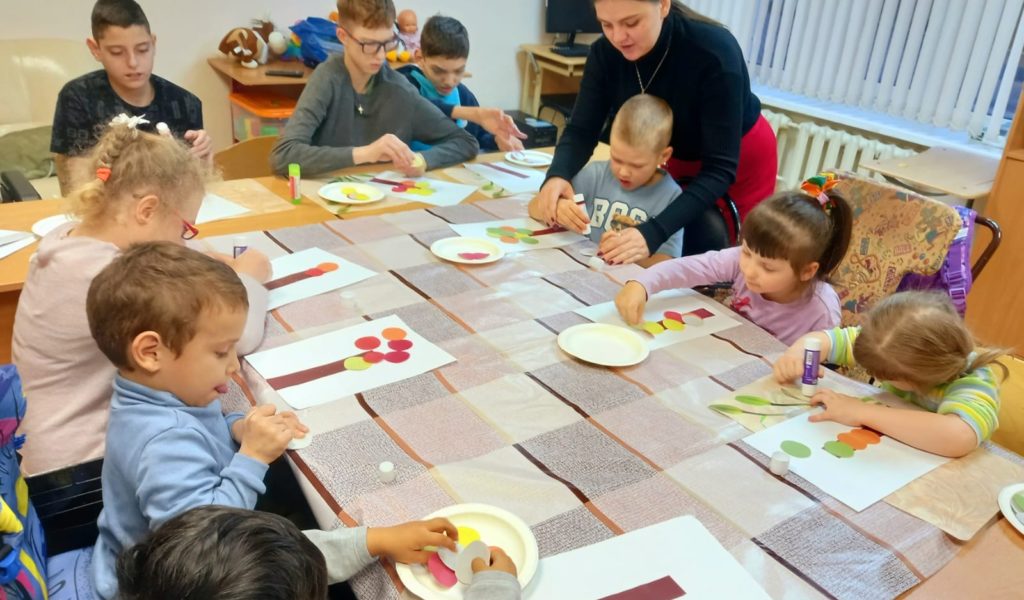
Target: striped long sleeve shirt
974, 396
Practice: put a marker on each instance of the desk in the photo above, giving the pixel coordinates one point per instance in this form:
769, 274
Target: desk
539, 59
21, 216
580, 453
946, 170
242, 78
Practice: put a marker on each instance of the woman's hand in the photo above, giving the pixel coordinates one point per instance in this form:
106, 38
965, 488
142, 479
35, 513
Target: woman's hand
544, 205
623, 247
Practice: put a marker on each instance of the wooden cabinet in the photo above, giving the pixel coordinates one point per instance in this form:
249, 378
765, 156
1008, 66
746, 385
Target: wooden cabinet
995, 306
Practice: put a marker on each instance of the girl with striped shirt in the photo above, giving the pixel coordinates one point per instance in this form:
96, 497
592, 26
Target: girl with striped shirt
919, 347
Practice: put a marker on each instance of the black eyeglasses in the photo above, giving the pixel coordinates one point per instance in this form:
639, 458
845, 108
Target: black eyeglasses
371, 48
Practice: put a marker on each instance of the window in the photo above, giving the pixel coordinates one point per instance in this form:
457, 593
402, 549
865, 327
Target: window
954, 64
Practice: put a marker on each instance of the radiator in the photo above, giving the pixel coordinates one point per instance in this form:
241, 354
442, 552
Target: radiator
807, 147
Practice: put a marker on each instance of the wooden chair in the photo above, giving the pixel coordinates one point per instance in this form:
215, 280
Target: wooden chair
895, 232
247, 159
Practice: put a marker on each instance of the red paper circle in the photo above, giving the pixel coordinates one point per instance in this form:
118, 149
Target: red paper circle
367, 343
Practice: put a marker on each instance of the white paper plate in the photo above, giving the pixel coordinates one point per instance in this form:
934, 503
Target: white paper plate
467, 250
45, 226
1005, 505
529, 158
603, 344
497, 527
346, 192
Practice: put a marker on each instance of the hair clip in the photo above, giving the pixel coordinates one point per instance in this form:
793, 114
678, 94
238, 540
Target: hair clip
818, 188
132, 122
103, 174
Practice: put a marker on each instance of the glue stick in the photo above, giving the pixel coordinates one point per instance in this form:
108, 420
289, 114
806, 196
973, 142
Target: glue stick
294, 178
812, 361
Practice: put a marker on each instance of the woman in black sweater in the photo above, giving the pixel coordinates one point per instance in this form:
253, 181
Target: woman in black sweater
721, 143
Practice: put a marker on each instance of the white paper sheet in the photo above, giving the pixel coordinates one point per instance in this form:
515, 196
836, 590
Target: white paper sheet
872, 473
12, 241
515, 180
679, 548
216, 208
345, 273
337, 346
512, 243
681, 301
438, 193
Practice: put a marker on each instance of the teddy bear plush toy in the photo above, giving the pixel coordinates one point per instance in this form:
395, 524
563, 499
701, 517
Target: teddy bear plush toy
253, 46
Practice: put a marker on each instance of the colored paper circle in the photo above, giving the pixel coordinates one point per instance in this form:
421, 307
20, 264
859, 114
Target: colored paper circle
467, 535
356, 363
523, 231
530, 240
327, 267
396, 357
675, 316
652, 327
393, 333
673, 325
373, 357
444, 576
838, 449
795, 449
313, 272
507, 228
400, 344
367, 343
509, 240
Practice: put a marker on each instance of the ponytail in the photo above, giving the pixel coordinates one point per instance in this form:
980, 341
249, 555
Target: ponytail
988, 357
841, 217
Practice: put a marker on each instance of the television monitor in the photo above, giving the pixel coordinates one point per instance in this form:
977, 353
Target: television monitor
571, 17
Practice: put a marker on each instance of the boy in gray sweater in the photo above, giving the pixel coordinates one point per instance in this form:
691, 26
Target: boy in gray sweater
355, 110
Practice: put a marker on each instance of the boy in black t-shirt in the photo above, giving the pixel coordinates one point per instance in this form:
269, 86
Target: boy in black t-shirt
121, 40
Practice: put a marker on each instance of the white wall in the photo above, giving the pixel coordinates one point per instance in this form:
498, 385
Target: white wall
188, 32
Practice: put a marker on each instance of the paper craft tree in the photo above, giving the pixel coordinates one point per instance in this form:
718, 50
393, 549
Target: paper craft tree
512, 235
673, 321
321, 269
370, 354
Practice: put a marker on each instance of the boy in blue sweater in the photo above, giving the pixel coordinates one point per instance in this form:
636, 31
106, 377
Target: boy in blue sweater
437, 74
169, 318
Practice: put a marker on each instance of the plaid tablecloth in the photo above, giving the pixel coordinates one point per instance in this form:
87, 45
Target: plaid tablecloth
581, 453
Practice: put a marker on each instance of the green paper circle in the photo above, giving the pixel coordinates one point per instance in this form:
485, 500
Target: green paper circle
795, 449
838, 449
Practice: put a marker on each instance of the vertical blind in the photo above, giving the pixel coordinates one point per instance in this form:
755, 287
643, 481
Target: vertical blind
948, 63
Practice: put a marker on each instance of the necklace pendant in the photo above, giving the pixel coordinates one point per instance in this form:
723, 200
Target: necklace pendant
359, 108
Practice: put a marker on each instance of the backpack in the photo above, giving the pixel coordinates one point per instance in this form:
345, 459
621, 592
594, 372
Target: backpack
954, 277
23, 549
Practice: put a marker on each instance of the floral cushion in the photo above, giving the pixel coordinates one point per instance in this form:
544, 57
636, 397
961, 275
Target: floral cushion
895, 232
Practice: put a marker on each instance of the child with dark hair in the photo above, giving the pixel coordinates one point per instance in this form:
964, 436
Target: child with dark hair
123, 43
437, 74
169, 318
222, 553
791, 243
355, 110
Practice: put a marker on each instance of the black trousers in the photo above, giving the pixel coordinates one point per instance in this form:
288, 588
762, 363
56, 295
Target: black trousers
708, 232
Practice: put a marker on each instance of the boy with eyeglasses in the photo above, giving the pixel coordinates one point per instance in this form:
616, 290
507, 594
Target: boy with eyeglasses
355, 110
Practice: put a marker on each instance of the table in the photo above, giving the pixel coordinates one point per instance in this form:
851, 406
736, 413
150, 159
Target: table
950, 171
579, 452
21, 216
539, 59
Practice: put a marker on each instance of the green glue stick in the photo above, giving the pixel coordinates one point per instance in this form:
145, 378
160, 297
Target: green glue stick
294, 179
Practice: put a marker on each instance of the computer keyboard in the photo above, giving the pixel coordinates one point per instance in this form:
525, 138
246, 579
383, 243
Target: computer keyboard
577, 50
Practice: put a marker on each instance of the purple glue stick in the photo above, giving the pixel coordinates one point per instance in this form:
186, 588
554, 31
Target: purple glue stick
812, 361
